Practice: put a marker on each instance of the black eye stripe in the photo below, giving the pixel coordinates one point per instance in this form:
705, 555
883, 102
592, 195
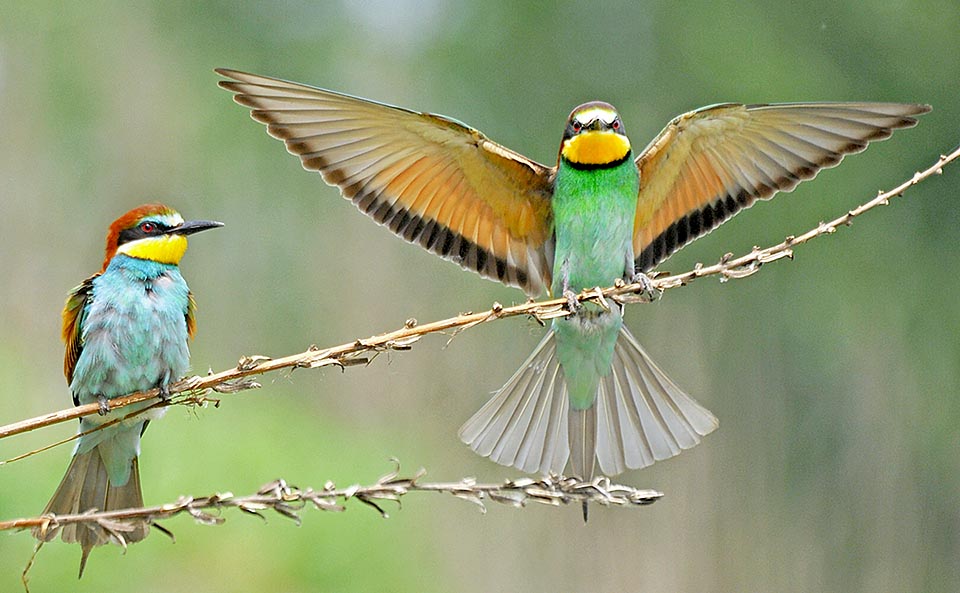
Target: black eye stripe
134, 233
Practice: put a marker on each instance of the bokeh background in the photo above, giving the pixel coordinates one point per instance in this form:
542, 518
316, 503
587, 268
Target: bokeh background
835, 377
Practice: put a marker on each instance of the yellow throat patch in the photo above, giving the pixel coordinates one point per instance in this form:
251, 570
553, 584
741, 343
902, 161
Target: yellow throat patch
596, 148
165, 249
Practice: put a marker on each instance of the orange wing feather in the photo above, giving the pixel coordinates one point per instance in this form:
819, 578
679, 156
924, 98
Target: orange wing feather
431, 180
73, 315
707, 165
191, 315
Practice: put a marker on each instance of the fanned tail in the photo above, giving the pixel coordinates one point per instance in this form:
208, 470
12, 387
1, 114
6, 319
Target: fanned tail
86, 486
524, 424
640, 416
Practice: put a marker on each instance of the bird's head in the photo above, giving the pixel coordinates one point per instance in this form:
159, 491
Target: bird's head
594, 137
153, 232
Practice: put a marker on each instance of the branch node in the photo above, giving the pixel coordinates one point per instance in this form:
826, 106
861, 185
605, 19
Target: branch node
597, 294
236, 386
248, 363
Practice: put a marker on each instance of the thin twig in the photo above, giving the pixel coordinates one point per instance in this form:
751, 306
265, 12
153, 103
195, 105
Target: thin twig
192, 390
746, 265
288, 501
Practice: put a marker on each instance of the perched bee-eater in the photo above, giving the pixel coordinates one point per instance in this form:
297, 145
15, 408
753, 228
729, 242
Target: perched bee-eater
588, 393
126, 330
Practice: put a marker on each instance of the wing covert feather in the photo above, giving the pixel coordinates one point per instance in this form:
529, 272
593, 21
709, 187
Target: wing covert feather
74, 312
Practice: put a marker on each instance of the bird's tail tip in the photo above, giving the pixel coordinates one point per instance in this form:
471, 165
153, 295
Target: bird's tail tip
84, 487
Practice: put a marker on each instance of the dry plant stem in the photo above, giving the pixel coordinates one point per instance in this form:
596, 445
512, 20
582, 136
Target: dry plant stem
192, 389
729, 267
289, 501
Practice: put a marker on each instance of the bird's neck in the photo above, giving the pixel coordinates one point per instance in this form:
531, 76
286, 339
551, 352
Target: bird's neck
139, 268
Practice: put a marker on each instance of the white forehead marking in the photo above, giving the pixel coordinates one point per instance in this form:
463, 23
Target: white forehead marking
171, 220
588, 115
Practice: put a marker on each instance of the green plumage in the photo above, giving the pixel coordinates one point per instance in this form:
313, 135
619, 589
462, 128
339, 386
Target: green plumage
593, 213
589, 394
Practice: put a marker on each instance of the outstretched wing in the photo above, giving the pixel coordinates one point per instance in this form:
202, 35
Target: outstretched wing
429, 179
74, 313
707, 165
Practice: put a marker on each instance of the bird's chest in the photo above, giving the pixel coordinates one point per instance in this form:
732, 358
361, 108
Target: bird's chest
593, 224
134, 335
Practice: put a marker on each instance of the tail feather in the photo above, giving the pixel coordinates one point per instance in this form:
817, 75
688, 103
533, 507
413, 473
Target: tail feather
86, 487
644, 416
583, 441
640, 417
541, 435
524, 424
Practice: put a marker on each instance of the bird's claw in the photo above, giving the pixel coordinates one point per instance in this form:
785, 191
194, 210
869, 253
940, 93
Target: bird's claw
103, 405
649, 292
164, 394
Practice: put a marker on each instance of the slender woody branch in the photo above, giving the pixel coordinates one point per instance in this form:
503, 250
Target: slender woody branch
288, 501
191, 390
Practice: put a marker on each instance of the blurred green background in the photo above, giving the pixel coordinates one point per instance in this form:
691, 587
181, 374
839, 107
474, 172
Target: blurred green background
835, 376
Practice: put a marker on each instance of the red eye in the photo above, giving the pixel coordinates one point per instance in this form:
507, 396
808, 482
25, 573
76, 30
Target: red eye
577, 126
148, 227
616, 124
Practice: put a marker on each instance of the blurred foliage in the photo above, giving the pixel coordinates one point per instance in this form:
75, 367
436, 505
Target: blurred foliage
835, 377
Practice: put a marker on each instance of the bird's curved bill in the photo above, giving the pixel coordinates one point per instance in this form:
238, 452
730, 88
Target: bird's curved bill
194, 226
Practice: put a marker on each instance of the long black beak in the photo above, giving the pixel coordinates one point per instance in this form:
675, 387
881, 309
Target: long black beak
194, 226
